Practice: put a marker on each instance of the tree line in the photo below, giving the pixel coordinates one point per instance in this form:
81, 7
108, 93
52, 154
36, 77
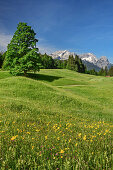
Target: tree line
22, 55
73, 63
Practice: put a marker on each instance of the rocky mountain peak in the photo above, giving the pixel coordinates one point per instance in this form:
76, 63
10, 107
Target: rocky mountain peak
104, 58
89, 59
103, 62
62, 55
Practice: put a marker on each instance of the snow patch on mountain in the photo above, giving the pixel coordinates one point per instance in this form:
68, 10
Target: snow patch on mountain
87, 58
62, 55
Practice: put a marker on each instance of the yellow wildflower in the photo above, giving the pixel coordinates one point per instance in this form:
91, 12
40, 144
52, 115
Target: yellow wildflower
61, 151
37, 130
76, 144
84, 138
69, 140
58, 138
107, 130
32, 147
79, 135
14, 137
45, 137
28, 132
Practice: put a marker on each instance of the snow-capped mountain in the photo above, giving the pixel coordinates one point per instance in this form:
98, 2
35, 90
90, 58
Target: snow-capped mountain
62, 55
89, 59
103, 62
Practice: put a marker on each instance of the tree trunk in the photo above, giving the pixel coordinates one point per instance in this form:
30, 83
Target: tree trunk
25, 73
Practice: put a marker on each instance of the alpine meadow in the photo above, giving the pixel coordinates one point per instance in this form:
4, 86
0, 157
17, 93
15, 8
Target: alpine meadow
54, 114
56, 119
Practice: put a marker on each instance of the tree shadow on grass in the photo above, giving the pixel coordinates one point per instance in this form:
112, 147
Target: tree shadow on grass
43, 77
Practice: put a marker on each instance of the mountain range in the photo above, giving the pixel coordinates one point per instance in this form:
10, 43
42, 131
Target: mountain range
89, 59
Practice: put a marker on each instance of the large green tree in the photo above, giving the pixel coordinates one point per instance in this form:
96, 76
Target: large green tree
22, 54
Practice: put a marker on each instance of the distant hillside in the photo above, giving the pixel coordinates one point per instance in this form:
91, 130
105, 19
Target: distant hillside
89, 59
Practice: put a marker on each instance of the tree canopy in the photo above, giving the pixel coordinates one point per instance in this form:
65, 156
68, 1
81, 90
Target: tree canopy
47, 61
22, 54
75, 63
110, 72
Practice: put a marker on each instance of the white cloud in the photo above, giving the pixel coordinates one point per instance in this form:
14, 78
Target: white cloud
4, 41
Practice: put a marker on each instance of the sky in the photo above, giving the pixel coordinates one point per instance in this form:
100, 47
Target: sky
80, 26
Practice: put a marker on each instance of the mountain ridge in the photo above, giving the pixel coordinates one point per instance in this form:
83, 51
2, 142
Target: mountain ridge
89, 59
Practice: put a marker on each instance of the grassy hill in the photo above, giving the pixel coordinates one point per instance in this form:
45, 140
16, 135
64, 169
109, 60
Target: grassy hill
56, 119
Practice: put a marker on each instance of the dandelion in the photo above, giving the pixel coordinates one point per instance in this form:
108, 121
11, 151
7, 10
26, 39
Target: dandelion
76, 144
61, 151
14, 137
37, 130
58, 138
58, 128
32, 147
69, 140
28, 132
84, 138
107, 130
66, 148
45, 137
79, 135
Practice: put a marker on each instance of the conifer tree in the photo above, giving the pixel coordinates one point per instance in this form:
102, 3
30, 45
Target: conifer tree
110, 72
106, 71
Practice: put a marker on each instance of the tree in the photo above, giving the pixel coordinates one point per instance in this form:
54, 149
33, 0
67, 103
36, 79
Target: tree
110, 72
47, 61
2, 57
1, 60
71, 63
101, 72
92, 72
75, 63
106, 71
22, 54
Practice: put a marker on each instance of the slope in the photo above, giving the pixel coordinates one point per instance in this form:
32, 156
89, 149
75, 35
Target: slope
59, 109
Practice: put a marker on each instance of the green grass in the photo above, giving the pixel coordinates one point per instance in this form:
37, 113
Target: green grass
56, 119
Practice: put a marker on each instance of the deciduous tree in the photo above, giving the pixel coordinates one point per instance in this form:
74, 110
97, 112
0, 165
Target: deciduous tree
22, 54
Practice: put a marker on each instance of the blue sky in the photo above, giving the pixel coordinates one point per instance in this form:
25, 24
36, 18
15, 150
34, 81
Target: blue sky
79, 26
